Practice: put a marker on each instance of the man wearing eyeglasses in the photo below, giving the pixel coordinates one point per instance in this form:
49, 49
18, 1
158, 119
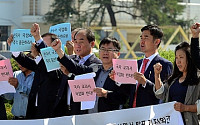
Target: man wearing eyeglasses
109, 49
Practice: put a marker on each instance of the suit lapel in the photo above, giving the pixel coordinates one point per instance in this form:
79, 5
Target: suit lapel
88, 61
150, 67
189, 93
139, 62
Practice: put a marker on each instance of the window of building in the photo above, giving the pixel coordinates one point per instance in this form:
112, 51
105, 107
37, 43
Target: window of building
34, 7
5, 32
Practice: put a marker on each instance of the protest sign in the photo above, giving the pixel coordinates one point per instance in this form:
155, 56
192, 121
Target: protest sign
22, 40
50, 58
85, 104
5, 70
82, 90
124, 70
63, 31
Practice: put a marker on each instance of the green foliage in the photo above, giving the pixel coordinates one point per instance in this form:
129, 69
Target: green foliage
61, 11
14, 65
8, 111
169, 55
161, 12
168, 33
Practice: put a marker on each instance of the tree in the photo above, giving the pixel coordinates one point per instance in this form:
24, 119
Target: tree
160, 12
61, 11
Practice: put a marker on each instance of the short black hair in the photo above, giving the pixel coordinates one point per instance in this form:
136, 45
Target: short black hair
155, 31
89, 34
108, 40
53, 36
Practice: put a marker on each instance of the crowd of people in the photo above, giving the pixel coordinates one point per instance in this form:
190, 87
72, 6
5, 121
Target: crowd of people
42, 94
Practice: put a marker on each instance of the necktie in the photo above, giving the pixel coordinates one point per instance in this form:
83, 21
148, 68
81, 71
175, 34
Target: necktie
145, 61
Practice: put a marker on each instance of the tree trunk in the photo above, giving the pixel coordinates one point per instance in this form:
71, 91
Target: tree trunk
111, 14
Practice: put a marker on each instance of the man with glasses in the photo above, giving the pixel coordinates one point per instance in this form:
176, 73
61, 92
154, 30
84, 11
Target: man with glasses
109, 49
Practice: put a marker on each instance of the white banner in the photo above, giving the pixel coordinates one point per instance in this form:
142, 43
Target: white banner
162, 114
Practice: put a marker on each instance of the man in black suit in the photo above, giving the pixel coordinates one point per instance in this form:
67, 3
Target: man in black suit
109, 49
84, 41
45, 87
142, 93
2, 106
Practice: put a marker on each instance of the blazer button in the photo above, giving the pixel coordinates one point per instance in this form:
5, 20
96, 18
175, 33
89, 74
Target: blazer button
186, 120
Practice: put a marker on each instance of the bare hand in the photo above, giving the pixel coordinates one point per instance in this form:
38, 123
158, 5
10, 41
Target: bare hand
64, 69
140, 78
112, 75
157, 68
195, 30
34, 51
13, 81
179, 107
70, 47
35, 31
56, 44
101, 92
10, 39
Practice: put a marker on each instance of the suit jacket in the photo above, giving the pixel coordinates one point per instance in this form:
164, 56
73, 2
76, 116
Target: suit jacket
192, 95
74, 108
145, 95
114, 99
2, 106
109, 84
46, 85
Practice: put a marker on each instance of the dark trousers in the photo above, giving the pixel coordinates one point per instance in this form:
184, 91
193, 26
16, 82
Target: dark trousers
2, 110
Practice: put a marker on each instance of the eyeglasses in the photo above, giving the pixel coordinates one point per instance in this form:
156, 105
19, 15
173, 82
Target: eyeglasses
108, 50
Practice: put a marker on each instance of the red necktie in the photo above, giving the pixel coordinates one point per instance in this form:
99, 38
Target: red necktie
145, 61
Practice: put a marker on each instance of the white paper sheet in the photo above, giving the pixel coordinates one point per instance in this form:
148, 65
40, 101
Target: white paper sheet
86, 104
5, 87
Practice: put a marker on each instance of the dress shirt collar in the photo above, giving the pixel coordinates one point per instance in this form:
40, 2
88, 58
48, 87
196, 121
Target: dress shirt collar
151, 57
84, 59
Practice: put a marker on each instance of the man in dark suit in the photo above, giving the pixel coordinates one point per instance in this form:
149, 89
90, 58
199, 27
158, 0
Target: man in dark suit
45, 84
2, 106
142, 93
84, 41
109, 49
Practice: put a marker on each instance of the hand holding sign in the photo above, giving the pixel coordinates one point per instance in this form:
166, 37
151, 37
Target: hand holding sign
101, 92
112, 75
10, 39
13, 81
124, 70
82, 90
